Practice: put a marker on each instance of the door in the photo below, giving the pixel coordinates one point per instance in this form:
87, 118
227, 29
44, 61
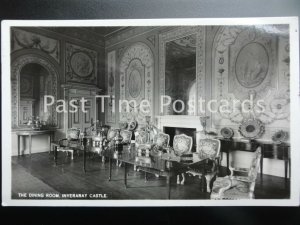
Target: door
82, 118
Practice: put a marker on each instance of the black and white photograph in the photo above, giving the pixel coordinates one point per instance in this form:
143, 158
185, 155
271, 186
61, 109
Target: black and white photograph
150, 112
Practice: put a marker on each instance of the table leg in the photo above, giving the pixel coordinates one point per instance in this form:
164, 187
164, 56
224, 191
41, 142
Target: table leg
125, 175
19, 145
285, 169
84, 161
203, 185
262, 162
30, 143
168, 186
55, 155
289, 162
227, 159
110, 165
146, 177
49, 139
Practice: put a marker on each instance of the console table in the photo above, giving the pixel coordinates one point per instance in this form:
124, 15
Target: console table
269, 150
30, 133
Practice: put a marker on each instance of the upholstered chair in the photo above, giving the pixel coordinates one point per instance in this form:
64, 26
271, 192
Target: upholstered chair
161, 140
65, 144
207, 149
141, 137
126, 139
126, 135
141, 141
111, 134
182, 144
238, 187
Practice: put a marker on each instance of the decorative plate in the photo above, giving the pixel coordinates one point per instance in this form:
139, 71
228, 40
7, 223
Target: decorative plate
251, 128
132, 125
81, 64
280, 136
227, 132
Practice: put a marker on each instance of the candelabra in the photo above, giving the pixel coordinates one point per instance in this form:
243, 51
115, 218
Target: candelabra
151, 129
203, 120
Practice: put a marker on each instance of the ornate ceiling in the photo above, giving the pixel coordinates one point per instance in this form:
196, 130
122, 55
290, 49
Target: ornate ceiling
95, 35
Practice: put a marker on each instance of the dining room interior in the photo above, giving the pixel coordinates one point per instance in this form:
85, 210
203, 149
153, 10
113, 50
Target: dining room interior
150, 112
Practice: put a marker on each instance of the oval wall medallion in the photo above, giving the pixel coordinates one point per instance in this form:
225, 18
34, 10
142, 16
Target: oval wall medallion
135, 84
252, 63
81, 64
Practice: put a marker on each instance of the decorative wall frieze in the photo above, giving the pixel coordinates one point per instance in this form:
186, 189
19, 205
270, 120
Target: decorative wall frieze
151, 39
81, 64
78, 33
127, 33
27, 40
120, 52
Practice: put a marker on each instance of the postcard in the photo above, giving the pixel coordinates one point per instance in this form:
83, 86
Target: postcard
150, 112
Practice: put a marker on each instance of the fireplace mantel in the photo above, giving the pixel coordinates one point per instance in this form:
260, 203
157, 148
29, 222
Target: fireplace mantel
179, 121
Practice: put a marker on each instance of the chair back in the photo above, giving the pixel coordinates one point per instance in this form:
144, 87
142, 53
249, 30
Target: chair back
126, 135
111, 134
182, 144
141, 136
208, 148
73, 133
254, 167
161, 139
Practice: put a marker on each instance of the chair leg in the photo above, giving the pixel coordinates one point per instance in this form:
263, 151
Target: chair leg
208, 180
103, 159
183, 179
178, 179
72, 155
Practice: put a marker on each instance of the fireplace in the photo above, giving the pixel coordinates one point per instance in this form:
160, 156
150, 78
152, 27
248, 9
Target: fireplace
172, 131
189, 125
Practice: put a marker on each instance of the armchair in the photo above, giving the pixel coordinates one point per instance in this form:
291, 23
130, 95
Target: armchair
111, 134
182, 144
65, 144
238, 187
126, 135
142, 142
161, 140
208, 149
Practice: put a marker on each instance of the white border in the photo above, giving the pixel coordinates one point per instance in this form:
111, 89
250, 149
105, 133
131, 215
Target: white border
295, 110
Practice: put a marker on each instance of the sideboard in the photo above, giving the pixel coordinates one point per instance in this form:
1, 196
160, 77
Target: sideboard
270, 150
24, 133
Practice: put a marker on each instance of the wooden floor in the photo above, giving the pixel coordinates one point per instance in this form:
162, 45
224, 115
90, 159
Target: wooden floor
38, 174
